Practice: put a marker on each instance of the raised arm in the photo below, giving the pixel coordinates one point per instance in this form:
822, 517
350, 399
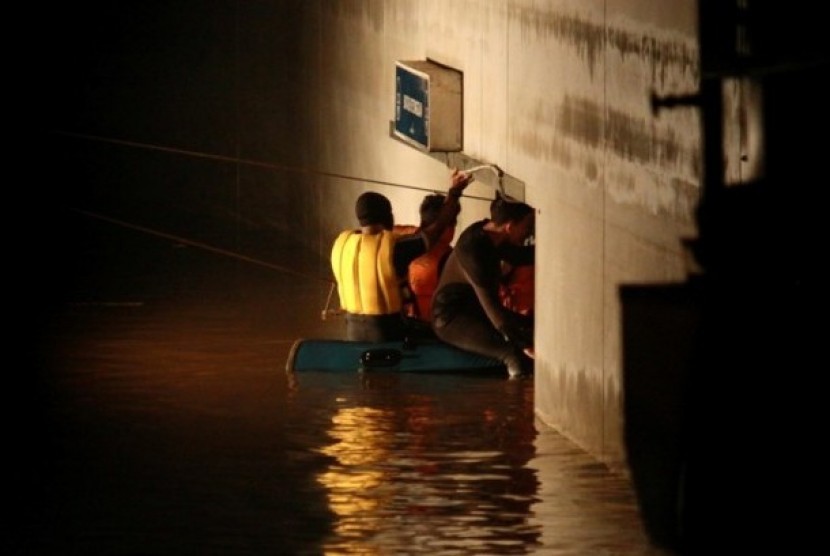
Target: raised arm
449, 211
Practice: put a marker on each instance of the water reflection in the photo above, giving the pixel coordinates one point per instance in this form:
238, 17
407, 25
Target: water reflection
427, 464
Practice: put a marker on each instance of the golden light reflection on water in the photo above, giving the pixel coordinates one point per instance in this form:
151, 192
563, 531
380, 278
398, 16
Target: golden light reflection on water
404, 476
360, 443
453, 465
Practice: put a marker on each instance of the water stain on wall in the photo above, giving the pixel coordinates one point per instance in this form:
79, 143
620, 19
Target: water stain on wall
629, 137
371, 14
640, 162
579, 396
592, 40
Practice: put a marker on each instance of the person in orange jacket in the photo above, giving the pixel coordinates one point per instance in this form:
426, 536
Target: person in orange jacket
518, 281
425, 270
517, 290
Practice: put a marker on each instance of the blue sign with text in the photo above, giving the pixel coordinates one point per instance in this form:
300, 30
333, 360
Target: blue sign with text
412, 106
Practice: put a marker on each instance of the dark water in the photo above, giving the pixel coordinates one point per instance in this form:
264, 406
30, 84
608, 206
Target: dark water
164, 423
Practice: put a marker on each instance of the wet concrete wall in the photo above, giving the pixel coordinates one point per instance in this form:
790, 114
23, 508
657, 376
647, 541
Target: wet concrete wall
614, 183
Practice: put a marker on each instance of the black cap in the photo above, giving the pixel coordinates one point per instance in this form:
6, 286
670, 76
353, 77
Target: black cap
373, 208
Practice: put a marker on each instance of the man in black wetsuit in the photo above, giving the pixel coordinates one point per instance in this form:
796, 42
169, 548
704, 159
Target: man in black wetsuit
466, 310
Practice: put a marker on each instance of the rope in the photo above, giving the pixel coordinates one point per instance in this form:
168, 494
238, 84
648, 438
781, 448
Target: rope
267, 165
191, 243
271, 166
496, 170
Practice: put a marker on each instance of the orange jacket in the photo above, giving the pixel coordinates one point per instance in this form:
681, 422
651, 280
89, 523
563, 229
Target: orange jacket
423, 277
517, 291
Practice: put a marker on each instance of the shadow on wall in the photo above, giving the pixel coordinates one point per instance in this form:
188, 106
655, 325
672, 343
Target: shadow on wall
722, 391
721, 387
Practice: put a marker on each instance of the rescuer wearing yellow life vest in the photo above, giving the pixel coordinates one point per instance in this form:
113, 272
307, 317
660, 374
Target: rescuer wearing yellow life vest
371, 263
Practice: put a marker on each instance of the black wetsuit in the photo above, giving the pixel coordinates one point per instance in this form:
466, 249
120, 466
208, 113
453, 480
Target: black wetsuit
466, 309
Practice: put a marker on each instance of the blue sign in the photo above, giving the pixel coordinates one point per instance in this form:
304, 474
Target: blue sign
412, 106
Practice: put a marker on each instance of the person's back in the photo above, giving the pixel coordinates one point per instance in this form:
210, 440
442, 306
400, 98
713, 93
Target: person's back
368, 287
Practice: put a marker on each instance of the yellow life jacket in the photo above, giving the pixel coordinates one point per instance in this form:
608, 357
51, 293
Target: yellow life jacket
365, 272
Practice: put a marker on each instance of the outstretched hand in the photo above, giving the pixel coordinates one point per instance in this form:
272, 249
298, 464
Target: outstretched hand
460, 181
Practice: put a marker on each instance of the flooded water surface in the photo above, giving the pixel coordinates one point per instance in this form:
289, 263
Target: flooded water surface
167, 424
